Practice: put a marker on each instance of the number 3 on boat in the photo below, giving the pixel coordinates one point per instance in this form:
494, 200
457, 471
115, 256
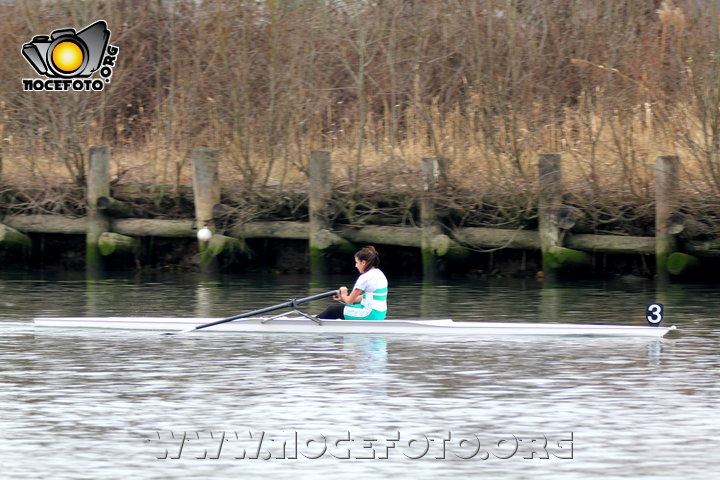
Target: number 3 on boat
654, 314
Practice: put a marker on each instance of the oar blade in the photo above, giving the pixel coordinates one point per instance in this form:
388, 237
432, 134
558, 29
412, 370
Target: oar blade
187, 330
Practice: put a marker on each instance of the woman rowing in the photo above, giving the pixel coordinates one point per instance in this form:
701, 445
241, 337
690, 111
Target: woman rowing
368, 298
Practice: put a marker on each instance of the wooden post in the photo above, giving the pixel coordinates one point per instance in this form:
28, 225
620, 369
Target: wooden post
318, 202
554, 256
206, 185
436, 248
98, 185
429, 175
3, 121
666, 185
206, 192
549, 204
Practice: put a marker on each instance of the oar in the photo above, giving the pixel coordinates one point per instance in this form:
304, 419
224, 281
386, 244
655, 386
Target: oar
289, 304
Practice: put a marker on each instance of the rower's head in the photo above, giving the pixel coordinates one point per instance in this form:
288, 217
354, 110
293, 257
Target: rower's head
366, 258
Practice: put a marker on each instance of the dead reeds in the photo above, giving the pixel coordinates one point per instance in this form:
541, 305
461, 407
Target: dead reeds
488, 84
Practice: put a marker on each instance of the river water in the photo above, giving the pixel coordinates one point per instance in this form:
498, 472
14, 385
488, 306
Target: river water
122, 404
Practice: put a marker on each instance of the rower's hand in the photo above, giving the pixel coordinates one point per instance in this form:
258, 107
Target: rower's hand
342, 291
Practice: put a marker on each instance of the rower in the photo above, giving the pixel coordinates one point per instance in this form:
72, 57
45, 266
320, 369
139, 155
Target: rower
368, 298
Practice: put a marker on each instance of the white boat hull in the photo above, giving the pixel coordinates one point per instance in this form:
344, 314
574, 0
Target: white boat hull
290, 324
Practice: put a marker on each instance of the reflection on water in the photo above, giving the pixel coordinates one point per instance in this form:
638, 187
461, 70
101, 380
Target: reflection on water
106, 404
370, 352
654, 350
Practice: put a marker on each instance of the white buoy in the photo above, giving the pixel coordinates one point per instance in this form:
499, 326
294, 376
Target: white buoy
204, 234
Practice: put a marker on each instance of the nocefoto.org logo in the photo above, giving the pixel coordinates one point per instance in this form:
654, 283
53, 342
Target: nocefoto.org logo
68, 58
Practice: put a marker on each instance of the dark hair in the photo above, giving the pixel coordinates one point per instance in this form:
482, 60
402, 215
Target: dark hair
370, 255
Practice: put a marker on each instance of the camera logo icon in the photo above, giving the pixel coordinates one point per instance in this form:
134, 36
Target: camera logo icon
69, 56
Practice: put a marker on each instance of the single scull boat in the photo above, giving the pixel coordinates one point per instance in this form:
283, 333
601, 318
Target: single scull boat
299, 322
294, 323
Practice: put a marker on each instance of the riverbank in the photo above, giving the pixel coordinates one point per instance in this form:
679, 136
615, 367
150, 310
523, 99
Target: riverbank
316, 228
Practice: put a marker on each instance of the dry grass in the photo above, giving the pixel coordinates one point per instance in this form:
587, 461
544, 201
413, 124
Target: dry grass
488, 84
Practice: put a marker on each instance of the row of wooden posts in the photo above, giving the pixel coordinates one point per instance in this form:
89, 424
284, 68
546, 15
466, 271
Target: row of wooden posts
109, 232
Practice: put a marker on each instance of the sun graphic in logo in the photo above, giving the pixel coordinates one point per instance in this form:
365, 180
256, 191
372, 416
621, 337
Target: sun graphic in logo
67, 56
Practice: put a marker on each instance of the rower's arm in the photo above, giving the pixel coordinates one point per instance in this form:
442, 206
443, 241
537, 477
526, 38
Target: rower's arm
354, 297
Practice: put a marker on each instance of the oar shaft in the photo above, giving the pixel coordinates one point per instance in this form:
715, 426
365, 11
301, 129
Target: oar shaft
244, 315
288, 304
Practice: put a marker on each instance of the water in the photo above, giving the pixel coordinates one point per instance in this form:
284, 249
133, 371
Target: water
119, 404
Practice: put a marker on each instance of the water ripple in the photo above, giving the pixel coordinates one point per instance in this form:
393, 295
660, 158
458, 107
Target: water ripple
102, 405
